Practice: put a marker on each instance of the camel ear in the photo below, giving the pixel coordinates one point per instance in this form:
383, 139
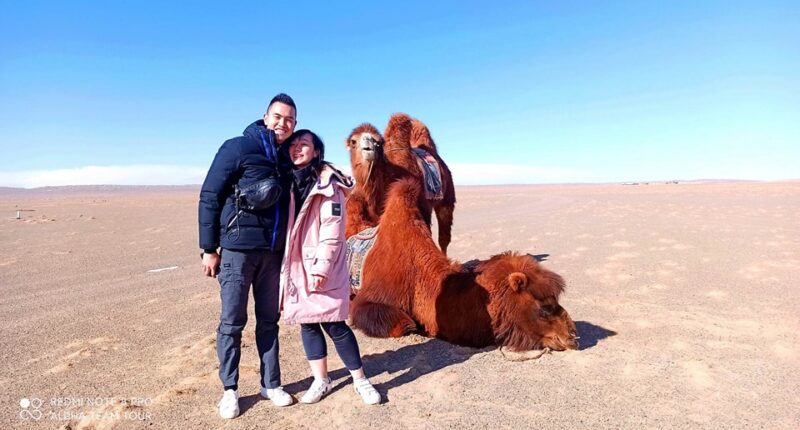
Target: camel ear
517, 281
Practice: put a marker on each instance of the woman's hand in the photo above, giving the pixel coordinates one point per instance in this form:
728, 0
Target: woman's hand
317, 281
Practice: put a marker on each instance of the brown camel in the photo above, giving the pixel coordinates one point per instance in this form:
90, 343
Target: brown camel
408, 284
376, 163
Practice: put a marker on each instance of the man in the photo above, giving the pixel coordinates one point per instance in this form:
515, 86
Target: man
243, 241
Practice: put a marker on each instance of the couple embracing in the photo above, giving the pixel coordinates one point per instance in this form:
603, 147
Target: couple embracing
272, 215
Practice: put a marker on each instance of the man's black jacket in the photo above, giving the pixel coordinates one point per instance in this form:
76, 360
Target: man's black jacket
244, 160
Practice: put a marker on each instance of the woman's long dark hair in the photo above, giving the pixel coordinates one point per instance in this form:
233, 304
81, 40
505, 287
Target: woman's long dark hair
318, 161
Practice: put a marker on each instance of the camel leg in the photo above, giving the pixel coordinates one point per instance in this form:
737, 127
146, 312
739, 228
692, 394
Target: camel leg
380, 320
444, 218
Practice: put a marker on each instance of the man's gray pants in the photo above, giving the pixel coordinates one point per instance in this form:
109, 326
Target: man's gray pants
238, 270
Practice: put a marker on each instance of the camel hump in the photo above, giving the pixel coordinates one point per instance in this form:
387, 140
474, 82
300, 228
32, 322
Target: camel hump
421, 136
398, 131
399, 118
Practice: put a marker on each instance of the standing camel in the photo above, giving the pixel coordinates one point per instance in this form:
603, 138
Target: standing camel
377, 162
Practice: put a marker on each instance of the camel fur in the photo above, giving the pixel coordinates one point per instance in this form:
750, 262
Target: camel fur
409, 285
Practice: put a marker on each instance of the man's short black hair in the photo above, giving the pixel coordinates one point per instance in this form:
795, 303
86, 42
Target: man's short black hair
282, 98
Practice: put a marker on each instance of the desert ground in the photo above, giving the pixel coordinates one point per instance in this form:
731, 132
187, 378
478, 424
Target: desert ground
686, 297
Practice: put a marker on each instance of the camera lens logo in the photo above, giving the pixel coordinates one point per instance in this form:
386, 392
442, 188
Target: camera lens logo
30, 409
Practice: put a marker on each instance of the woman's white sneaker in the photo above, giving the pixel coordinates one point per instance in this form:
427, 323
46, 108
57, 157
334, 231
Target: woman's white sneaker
318, 388
229, 405
277, 395
368, 393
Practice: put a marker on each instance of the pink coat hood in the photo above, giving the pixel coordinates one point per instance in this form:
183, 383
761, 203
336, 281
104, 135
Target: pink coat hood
316, 244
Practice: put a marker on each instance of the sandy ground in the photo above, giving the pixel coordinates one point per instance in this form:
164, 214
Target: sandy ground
685, 297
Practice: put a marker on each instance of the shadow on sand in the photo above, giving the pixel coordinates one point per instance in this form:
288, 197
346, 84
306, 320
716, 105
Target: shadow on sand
591, 334
410, 362
539, 257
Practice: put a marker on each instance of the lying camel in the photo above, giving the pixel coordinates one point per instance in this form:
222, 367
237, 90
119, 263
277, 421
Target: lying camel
409, 285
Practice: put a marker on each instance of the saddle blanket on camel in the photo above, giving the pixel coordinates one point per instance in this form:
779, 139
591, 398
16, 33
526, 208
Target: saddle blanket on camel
358, 247
431, 173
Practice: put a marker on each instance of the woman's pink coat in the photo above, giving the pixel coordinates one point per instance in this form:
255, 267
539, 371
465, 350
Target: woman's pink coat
316, 245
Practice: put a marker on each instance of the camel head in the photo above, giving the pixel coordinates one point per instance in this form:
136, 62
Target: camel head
524, 304
365, 144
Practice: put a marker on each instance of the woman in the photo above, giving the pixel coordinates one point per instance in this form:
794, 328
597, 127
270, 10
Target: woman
315, 281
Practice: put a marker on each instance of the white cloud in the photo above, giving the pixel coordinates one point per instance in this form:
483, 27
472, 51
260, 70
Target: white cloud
506, 174
463, 174
105, 175
490, 174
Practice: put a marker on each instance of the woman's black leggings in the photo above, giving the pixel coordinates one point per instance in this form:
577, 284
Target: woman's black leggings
342, 336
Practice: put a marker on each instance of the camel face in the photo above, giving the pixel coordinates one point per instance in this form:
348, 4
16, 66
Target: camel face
364, 144
556, 327
536, 323
527, 314
368, 145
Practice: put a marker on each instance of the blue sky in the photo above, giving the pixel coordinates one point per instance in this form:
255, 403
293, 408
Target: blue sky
518, 92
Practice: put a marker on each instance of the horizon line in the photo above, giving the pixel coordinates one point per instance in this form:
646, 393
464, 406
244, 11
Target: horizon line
638, 182
464, 174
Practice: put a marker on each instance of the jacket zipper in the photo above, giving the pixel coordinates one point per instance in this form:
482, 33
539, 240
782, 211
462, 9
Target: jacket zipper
272, 156
275, 227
